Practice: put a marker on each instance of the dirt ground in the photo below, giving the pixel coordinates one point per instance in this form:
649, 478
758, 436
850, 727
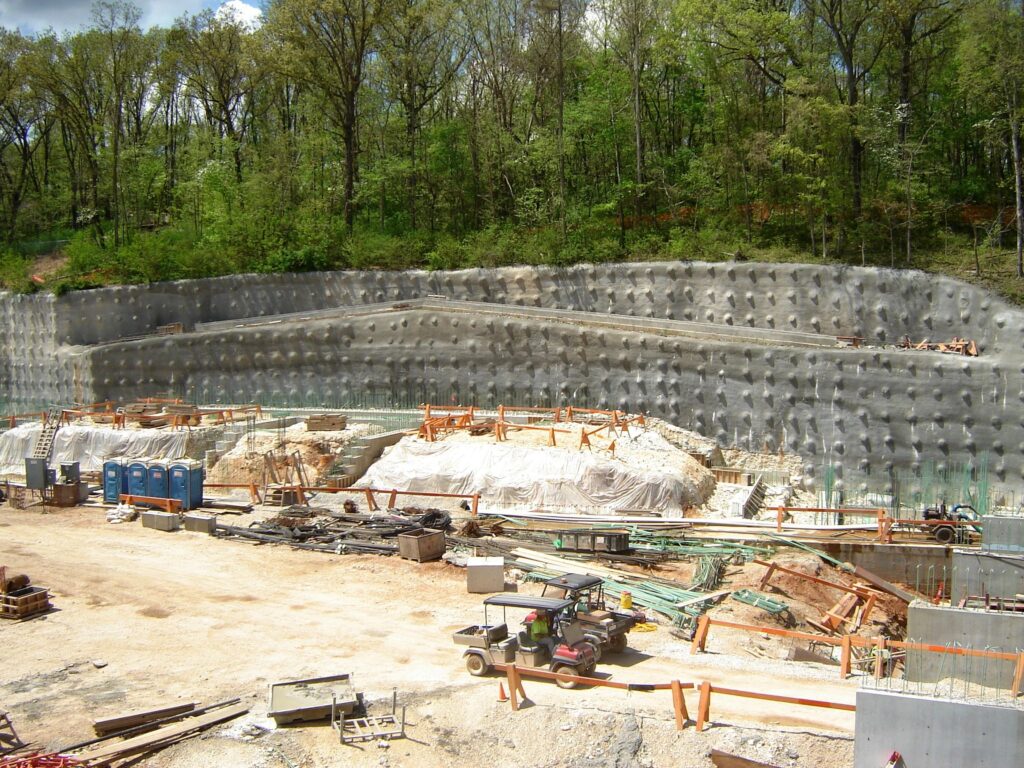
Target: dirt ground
144, 618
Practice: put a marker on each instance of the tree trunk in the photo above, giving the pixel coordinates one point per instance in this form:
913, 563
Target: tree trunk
1018, 179
856, 146
348, 135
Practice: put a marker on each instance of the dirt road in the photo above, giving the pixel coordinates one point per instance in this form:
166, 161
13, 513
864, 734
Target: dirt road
187, 616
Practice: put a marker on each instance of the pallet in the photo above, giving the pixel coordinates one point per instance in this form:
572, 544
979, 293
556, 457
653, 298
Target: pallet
24, 603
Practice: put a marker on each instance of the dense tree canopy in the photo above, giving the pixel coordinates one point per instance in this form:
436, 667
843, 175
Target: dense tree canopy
394, 133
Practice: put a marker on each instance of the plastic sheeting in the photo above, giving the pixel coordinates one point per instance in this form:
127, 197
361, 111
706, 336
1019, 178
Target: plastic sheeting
514, 476
90, 446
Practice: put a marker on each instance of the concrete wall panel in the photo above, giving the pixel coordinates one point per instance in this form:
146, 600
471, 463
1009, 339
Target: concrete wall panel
936, 733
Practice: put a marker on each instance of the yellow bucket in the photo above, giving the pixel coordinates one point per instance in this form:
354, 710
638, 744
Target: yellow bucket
625, 600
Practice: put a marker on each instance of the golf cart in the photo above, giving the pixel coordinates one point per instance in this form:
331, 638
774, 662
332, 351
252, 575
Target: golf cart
566, 650
605, 629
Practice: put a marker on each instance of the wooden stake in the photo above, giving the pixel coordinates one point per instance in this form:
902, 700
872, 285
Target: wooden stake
704, 706
679, 705
700, 637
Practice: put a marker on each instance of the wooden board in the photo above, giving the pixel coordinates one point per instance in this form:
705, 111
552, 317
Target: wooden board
132, 719
885, 586
105, 753
725, 760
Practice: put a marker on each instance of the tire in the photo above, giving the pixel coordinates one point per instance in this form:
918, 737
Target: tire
618, 643
944, 534
595, 643
476, 666
565, 669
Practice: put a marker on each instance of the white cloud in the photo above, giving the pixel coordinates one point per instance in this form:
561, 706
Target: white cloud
248, 16
33, 16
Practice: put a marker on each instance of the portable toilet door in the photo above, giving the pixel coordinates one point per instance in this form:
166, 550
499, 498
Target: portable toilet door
186, 483
157, 481
138, 478
115, 480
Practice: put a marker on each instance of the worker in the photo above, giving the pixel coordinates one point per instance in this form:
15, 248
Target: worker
540, 627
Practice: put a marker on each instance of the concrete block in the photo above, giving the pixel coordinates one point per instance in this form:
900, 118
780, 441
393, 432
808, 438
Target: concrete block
1004, 534
937, 733
485, 575
200, 523
161, 521
993, 573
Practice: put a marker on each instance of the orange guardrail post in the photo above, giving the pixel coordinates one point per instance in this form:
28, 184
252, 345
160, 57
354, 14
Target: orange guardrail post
704, 706
1018, 675
371, 502
844, 659
679, 705
700, 637
476, 504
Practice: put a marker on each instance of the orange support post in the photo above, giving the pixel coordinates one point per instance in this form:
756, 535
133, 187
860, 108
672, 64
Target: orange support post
551, 436
393, 500
844, 659
370, 501
879, 654
700, 637
679, 705
778, 523
704, 706
1018, 675
476, 505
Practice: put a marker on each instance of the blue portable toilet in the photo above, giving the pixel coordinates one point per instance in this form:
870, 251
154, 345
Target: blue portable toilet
156, 483
186, 482
138, 478
115, 480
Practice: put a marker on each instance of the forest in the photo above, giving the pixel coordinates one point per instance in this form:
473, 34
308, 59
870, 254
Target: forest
441, 134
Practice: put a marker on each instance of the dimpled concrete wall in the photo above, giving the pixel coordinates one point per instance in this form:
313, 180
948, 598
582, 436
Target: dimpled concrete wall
865, 410
879, 304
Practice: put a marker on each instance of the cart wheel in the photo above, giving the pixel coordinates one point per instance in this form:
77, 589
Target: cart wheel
595, 643
565, 669
944, 534
617, 644
476, 666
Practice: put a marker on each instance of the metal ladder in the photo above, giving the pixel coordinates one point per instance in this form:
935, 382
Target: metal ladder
44, 445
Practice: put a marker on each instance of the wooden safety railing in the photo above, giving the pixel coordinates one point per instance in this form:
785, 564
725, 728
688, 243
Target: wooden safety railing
515, 674
846, 643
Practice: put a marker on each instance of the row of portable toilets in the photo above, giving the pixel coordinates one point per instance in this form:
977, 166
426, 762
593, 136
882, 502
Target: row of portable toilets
181, 479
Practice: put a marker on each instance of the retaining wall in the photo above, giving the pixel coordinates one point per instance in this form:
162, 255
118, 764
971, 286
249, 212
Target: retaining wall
936, 733
865, 409
965, 627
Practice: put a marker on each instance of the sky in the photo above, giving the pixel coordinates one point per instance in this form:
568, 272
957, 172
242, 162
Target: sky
33, 16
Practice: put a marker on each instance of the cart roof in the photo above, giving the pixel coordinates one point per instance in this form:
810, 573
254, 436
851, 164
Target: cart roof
574, 581
553, 604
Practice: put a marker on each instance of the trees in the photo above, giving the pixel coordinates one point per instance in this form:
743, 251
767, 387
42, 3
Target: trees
329, 41
436, 132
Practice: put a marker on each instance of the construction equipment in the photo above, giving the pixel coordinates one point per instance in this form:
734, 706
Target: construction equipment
565, 650
603, 628
19, 599
956, 532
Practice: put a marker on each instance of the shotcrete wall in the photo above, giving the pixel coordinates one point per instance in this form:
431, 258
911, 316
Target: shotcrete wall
998, 574
863, 409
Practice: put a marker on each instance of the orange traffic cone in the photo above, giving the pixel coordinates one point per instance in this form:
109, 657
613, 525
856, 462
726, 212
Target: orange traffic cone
502, 696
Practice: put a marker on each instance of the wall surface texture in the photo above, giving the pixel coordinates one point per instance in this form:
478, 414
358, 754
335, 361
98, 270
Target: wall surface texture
964, 627
743, 353
936, 733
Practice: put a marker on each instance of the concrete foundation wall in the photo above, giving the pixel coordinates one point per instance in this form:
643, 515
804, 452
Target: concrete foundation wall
966, 627
865, 410
933, 733
991, 573
1004, 534
901, 563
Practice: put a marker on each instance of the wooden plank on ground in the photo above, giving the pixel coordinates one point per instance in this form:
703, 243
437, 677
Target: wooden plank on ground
132, 719
882, 584
725, 760
117, 750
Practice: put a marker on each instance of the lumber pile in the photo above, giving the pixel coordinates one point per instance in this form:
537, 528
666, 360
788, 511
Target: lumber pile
151, 730
955, 346
326, 422
325, 530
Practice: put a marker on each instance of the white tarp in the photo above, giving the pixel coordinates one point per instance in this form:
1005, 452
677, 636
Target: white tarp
90, 446
515, 476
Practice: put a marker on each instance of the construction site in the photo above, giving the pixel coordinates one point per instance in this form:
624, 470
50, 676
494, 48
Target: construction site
665, 514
